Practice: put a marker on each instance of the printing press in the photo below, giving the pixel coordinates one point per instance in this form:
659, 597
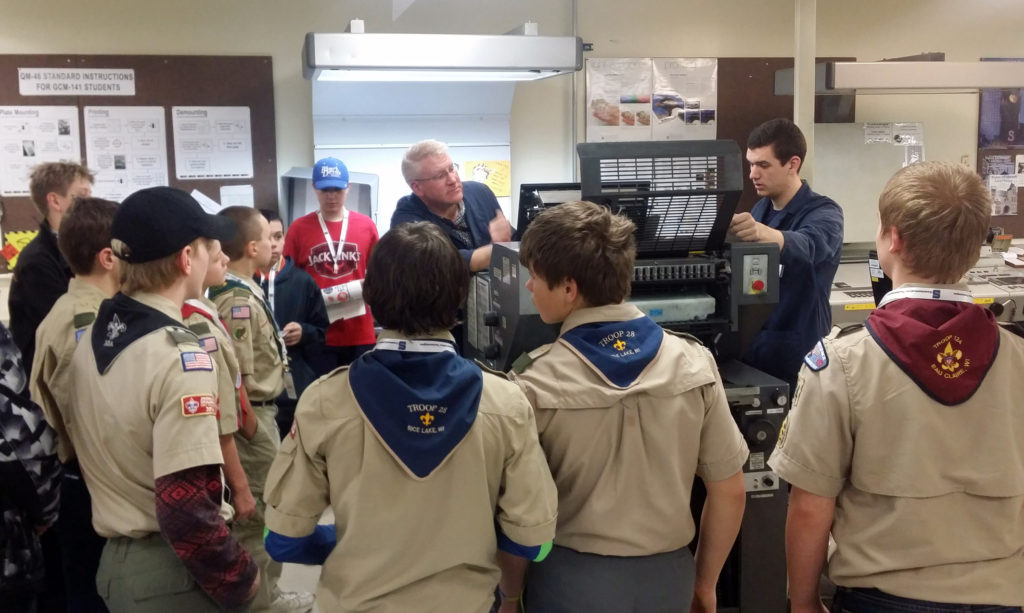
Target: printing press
681, 195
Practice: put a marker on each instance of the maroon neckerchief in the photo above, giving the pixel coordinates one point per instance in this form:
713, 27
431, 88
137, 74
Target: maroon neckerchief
945, 347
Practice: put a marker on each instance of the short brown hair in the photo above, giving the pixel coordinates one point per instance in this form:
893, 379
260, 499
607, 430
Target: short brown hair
942, 212
154, 275
416, 280
85, 231
55, 177
584, 242
784, 137
248, 221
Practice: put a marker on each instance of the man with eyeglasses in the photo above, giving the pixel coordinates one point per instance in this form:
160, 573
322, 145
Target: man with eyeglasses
467, 212
333, 245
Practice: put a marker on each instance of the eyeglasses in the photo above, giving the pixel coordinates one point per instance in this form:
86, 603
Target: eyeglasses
441, 176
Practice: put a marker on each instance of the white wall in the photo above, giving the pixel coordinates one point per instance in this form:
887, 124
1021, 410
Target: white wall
541, 114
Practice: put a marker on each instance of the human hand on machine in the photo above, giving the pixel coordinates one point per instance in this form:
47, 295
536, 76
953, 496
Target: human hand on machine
292, 333
500, 229
748, 230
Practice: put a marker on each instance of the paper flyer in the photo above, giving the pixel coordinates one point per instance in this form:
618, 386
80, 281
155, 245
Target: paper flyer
1004, 193
618, 99
212, 142
32, 135
126, 148
496, 174
684, 100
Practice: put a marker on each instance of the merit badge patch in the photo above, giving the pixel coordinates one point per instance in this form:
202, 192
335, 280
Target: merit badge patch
196, 360
203, 404
209, 344
817, 358
240, 312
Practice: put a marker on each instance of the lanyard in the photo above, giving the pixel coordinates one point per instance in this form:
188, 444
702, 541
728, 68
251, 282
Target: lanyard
394, 344
278, 337
335, 249
924, 293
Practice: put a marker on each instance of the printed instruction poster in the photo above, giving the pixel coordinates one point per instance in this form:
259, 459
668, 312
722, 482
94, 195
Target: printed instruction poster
212, 142
125, 146
31, 135
651, 99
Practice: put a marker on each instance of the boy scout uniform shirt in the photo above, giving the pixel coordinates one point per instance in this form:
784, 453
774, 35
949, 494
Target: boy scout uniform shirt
56, 339
255, 338
624, 454
151, 413
407, 543
214, 340
928, 496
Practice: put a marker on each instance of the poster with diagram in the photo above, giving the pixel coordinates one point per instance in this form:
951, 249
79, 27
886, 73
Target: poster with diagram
651, 99
618, 99
125, 147
31, 135
684, 100
212, 142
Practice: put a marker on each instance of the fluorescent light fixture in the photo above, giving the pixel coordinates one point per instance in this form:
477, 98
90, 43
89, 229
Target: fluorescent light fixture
439, 57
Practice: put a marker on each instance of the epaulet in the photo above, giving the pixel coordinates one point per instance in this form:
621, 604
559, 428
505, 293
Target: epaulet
841, 331
490, 370
684, 335
524, 360
182, 336
240, 292
199, 328
82, 320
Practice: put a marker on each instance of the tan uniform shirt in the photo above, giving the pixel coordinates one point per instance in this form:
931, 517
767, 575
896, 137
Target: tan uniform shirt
56, 339
624, 459
144, 418
254, 336
404, 543
928, 497
214, 340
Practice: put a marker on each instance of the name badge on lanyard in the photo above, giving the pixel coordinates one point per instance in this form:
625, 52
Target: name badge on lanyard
925, 293
334, 249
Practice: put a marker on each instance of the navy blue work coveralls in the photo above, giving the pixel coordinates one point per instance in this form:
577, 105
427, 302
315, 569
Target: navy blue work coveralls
812, 225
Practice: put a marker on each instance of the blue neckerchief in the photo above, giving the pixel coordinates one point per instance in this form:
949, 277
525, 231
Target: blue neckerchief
120, 322
421, 404
620, 350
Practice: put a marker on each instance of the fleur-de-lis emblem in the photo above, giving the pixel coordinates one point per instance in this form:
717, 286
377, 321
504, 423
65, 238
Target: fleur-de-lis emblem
115, 328
949, 359
620, 345
427, 419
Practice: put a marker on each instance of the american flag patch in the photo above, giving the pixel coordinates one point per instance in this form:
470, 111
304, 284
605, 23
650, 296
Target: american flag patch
209, 344
196, 360
240, 312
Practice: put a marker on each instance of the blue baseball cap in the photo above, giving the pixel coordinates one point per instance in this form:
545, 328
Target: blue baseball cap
330, 172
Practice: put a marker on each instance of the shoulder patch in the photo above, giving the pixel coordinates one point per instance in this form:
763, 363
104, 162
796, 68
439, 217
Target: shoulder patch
684, 335
182, 336
78, 334
239, 334
200, 404
83, 319
817, 359
240, 312
208, 344
196, 360
199, 328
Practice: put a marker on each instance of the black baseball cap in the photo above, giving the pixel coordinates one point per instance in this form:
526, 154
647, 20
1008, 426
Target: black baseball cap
156, 222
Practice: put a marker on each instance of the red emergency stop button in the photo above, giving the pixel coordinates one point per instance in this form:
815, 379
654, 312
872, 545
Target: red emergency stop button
758, 285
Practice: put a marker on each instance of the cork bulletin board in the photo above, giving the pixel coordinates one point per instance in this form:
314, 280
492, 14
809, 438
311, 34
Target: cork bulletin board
238, 82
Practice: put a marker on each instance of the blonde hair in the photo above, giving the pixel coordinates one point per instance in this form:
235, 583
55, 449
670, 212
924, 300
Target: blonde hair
416, 154
942, 212
55, 177
584, 242
157, 274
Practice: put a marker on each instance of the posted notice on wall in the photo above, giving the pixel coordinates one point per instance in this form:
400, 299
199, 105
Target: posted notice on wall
651, 99
126, 148
31, 135
212, 142
76, 81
